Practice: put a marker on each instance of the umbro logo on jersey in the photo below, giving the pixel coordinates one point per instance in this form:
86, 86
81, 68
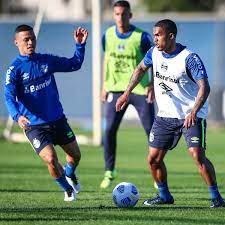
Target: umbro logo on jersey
25, 76
165, 87
121, 47
164, 67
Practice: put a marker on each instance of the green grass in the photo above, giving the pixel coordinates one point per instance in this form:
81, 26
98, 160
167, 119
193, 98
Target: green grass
28, 195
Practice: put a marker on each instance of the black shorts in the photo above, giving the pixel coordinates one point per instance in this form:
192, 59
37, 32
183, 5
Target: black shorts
56, 133
166, 133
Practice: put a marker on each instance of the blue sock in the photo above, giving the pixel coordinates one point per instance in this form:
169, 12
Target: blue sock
164, 192
214, 192
63, 183
70, 170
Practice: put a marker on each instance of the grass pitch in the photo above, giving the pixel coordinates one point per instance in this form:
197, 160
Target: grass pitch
28, 195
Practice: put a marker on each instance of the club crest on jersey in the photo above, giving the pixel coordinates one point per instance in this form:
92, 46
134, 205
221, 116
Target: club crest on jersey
164, 67
44, 68
121, 47
36, 143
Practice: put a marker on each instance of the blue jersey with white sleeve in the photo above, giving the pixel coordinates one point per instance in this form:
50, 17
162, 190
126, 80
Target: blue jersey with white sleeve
30, 86
175, 81
193, 63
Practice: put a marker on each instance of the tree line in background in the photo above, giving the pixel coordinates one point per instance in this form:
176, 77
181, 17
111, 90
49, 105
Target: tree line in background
15, 6
181, 5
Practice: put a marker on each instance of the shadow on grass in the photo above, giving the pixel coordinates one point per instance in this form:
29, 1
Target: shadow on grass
100, 207
24, 190
43, 191
104, 214
121, 219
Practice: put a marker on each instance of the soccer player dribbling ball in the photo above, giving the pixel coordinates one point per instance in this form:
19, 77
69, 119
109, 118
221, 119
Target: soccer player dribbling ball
181, 90
32, 100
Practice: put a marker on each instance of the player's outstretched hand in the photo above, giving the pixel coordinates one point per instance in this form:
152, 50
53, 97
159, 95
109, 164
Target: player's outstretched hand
80, 35
121, 102
23, 122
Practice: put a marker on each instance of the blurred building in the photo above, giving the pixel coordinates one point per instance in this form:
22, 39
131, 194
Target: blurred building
59, 10
54, 9
205, 32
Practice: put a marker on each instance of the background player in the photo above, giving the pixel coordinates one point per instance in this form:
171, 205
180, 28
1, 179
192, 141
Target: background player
124, 46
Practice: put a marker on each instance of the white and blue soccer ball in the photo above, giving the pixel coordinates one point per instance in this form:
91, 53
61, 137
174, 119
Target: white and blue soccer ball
125, 195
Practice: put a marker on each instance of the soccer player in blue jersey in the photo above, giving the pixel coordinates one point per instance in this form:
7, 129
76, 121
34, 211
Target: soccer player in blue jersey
124, 45
181, 91
32, 100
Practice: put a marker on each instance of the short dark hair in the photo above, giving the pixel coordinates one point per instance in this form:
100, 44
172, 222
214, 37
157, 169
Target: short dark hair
23, 27
168, 25
124, 4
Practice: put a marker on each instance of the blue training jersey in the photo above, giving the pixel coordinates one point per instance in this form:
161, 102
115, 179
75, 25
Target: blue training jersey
30, 86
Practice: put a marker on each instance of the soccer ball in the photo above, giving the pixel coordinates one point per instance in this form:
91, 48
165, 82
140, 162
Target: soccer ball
125, 195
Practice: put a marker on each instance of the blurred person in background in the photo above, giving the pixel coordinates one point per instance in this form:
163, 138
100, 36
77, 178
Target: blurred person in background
181, 91
32, 100
124, 46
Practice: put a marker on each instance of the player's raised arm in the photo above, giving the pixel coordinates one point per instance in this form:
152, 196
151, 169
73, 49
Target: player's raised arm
135, 79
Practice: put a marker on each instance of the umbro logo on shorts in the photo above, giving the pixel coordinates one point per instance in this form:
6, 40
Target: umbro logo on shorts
194, 139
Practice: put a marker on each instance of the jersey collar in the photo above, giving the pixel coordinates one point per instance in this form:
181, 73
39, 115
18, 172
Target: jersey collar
127, 35
26, 57
178, 49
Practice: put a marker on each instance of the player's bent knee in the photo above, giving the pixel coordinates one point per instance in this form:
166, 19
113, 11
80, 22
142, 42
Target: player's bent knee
74, 156
72, 150
153, 162
77, 156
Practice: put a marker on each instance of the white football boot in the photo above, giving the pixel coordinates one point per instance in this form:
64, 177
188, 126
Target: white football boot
70, 196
